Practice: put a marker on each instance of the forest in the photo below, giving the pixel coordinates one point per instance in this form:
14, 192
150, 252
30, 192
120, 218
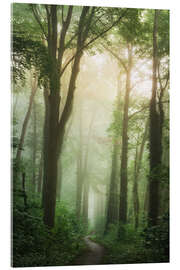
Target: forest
90, 135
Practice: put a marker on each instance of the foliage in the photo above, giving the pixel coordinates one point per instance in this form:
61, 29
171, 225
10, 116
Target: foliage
157, 238
27, 49
35, 245
142, 246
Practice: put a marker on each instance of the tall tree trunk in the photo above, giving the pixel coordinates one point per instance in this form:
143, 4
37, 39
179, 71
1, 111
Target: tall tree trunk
112, 207
112, 202
137, 167
34, 87
164, 186
86, 203
57, 123
34, 147
135, 191
40, 175
79, 186
124, 153
84, 172
155, 138
59, 183
45, 136
51, 149
146, 200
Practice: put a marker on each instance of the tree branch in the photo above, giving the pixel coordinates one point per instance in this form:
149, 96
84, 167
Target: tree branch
49, 23
144, 108
62, 14
116, 56
91, 41
34, 10
65, 27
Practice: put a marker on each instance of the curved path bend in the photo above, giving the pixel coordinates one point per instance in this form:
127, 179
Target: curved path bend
92, 256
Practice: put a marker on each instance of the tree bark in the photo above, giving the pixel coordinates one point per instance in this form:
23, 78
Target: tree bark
155, 138
112, 207
34, 147
124, 153
137, 167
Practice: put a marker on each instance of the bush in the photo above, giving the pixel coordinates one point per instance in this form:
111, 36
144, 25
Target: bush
35, 245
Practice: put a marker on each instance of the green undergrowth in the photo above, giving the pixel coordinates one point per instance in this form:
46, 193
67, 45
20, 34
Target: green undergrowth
142, 246
35, 245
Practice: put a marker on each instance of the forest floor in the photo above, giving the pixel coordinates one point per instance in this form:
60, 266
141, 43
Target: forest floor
92, 255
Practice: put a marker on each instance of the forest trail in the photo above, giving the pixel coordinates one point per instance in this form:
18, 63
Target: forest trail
92, 256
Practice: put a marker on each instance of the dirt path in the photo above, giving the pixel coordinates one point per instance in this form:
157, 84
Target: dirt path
93, 255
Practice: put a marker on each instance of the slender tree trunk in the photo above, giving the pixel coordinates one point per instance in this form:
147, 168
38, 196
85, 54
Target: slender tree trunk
79, 186
45, 137
135, 192
34, 147
24, 189
86, 202
84, 172
40, 174
112, 202
146, 200
34, 87
155, 139
59, 183
137, 167
112, 207
124, 153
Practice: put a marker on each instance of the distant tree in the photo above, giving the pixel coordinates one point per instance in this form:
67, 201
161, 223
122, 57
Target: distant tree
34, 87
137, 168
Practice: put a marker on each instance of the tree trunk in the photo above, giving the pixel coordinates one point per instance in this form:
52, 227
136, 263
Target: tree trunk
45, 136
155, 139
34, 87
112, 207
40, 175
137, 167
79, 186
24, 189
56, 125
85, 170
51, 161
59, 183
146, 200
124, 153
86, 203
135, 192
34, 147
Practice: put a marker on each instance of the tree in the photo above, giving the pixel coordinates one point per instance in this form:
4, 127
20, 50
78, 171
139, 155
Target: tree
34, 87
34, 146
56, 48
112, 203
137, 167
155, 136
